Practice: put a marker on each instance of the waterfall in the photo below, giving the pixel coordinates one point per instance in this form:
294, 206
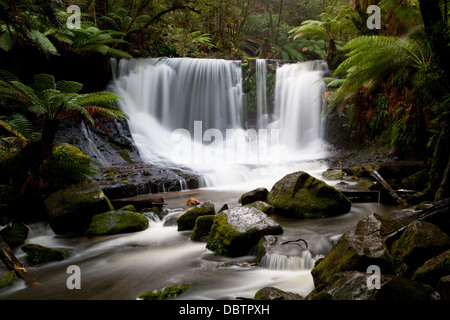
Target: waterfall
190, 112
261, 93
276, 261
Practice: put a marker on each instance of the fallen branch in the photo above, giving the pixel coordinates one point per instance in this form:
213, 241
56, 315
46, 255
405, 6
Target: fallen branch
374, 174
12, 263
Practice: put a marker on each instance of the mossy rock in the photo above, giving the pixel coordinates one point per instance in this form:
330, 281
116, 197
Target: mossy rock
187, 220
39, 254
434, 269
419, 242
164, 293
259, 194
202, 228
299, 195
71, 210
14, 234
416, 181
333, 174
271, 293
116, 222
236, 231
262, 206
357, 249
263, 245
353, 286
7, 279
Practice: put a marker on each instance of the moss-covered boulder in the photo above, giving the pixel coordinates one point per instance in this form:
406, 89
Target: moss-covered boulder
39, 254
236, 231
299, 195
262, 206
416, 181
115, 222
419, 242
202, 228
271, 293
14, 234
357, 249
71, 210
333, 174
7, 279
434, 269
259, 194
164, 293
187, 220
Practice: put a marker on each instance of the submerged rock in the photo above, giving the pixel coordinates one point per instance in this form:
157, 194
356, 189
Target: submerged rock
164, 293
116, 222
236, 231
299, 195
187, 220
39, 254
71, 209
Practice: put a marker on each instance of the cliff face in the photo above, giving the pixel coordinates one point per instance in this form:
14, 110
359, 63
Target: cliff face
122, 172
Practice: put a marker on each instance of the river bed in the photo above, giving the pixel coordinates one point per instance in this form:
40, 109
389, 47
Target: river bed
123, 266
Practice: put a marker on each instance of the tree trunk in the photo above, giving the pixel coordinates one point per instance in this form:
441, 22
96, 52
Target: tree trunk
436, 29
387, 187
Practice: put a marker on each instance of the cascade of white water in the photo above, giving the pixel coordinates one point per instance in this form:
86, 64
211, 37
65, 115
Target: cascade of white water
261, 93
189, 111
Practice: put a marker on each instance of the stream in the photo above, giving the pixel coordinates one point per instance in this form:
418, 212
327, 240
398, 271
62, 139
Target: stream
120, 267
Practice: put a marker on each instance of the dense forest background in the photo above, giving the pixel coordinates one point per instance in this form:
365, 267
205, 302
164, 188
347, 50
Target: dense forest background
390, 84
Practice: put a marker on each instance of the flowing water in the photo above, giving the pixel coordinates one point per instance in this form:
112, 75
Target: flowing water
190, 111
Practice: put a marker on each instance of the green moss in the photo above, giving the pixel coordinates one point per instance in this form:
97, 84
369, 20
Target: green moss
164, 293
7, 279
202, 228
187, 220
115, 222
39, 254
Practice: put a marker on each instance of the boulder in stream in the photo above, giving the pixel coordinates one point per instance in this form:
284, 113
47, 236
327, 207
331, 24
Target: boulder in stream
299, 195
71, 210
358, 249
259, 194
187, 220
164, 293
116, 222
39, 254
236, 231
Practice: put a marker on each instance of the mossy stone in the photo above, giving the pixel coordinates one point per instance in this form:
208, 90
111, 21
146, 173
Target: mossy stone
7, 279
14, 234
299, 195
39, 254
187, 220
236, 231
116, 222
164, 293
202, 228
262, 206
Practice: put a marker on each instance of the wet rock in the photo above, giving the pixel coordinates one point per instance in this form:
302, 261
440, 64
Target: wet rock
333, 174
416, 181
271, 293
71, 209
14, 234
39, 254
202, 228
259, 194
187, 220
116, 222
358, 249
7, 279
434, 269
262, 206
444, 287
300, 195
164, 293
419, 242
353, 285
132, 179
264, 245
236, 231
